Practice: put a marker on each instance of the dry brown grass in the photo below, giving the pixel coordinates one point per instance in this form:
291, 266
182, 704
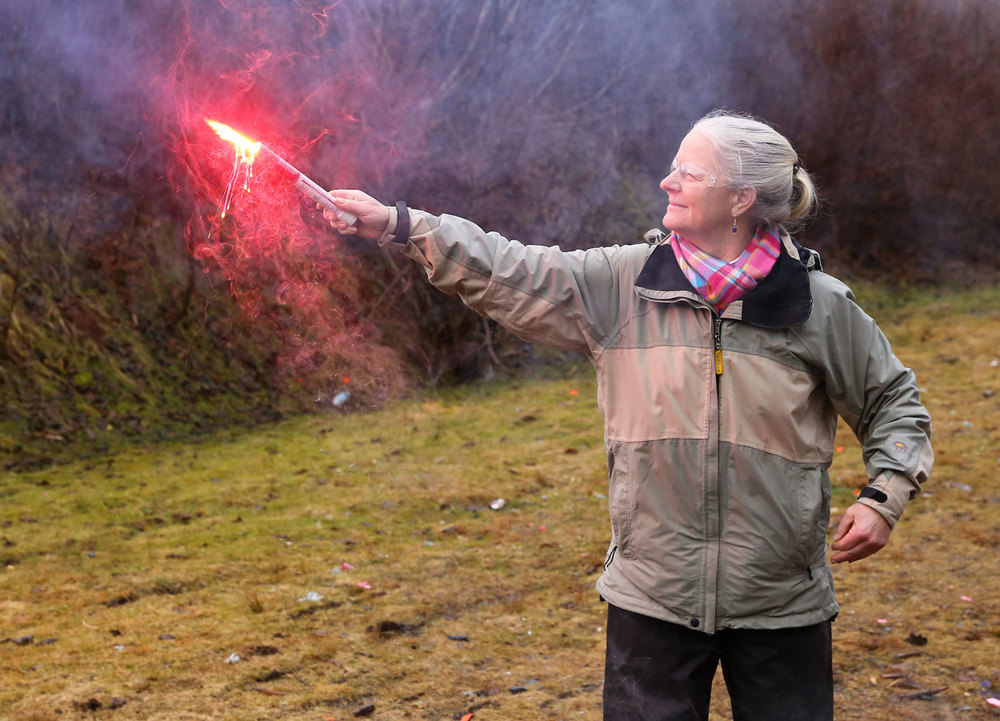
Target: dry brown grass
938, 578
139, 575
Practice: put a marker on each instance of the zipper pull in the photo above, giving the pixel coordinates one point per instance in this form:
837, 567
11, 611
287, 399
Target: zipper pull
718, 346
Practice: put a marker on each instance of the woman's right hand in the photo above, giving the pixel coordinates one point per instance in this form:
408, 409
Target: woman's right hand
372, 216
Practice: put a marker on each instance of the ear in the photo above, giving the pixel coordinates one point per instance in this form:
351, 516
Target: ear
743, 200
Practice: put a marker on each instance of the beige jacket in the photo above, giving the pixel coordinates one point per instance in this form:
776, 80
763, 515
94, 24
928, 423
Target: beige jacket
719, 430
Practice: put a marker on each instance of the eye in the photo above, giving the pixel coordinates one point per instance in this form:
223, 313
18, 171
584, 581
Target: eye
695, 174
683, 171
691, 172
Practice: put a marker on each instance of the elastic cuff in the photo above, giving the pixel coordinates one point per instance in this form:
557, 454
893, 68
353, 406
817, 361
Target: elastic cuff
874, 494
398, 228
888, 494
402, 233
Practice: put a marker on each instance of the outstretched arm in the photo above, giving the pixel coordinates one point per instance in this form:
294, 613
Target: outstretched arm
567, 299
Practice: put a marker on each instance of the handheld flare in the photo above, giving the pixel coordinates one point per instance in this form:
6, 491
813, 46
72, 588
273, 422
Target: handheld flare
307, 186
247, 150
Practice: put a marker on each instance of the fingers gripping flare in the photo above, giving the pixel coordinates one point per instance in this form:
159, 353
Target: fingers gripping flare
371, 216
307, 186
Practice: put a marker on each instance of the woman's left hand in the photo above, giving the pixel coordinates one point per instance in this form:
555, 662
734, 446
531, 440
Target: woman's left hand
862, 532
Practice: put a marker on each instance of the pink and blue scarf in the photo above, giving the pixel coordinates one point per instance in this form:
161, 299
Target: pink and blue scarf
722, 283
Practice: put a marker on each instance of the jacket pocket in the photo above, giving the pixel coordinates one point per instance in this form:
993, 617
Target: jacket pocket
621, 499
814, 514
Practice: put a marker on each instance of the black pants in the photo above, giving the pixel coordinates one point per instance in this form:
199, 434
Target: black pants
659, 671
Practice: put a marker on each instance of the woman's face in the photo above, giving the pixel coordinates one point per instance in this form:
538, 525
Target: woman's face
700, 199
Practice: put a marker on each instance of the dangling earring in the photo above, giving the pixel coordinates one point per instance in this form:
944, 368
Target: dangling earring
734, 225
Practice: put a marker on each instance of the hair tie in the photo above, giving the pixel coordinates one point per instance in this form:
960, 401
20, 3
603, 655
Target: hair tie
796, 166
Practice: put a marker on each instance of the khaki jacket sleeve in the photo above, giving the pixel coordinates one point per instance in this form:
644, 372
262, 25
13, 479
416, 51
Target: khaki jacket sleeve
875, 394
569, 300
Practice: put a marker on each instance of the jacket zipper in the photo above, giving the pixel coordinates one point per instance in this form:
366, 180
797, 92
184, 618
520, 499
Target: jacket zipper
717, 342
717, 335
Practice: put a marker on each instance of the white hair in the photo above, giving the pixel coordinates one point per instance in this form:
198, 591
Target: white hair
753, 154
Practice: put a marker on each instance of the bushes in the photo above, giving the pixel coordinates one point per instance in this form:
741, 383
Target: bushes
549, 124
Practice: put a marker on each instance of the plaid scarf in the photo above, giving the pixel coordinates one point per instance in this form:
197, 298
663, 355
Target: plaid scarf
721, 283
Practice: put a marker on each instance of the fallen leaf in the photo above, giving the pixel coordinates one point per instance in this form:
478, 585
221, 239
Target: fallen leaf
268, 691
922, 695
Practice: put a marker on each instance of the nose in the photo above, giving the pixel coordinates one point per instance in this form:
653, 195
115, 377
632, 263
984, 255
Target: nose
670, 182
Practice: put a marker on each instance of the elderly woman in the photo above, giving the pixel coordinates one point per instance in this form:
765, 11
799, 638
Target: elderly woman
724, 356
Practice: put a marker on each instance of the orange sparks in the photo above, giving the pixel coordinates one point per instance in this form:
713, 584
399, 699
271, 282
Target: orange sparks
245, 148
246, 151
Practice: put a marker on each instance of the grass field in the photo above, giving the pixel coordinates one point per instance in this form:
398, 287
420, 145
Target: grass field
351, 565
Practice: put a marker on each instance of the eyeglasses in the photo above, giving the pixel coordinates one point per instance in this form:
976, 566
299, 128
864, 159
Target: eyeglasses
690, 173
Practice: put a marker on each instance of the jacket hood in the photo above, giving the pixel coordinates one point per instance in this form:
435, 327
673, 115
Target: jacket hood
782, 299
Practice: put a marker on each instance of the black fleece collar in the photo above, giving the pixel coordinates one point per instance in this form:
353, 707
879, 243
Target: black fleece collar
781, 300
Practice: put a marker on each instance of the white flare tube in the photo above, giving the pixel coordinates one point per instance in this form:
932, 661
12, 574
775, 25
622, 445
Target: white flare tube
307, 186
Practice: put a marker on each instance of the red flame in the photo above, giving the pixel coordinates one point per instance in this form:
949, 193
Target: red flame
276, 79
246, 149
246, 152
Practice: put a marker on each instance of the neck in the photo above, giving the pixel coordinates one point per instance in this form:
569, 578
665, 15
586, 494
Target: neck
726, 247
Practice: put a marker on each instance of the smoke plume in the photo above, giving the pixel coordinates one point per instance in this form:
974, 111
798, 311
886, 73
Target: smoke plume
550, 122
